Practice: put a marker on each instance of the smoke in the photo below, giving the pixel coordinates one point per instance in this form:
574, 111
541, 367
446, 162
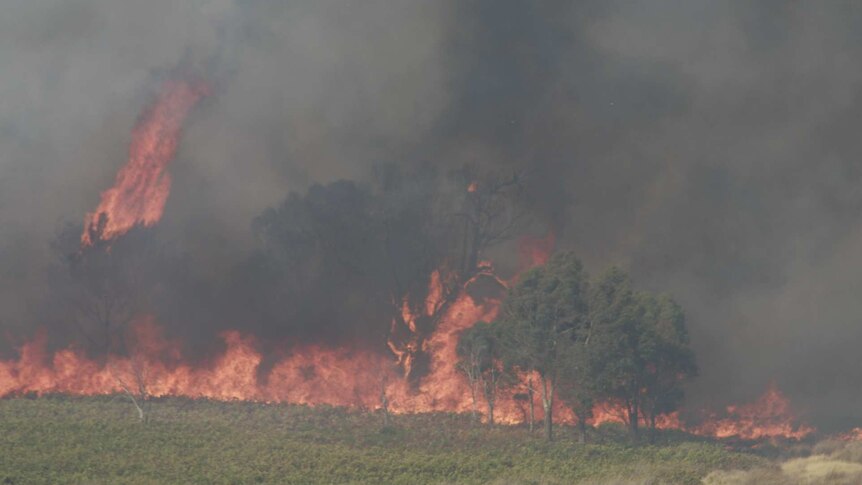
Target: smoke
706, 147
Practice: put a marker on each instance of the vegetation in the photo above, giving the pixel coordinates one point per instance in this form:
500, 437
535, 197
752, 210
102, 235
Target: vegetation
540, 320
479, 359
830, 462
639, 352
588, 342
99, 440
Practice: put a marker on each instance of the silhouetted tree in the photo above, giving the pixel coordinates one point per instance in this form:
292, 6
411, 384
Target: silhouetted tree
479, 359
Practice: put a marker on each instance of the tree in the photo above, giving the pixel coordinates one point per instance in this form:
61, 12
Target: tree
539, 321
669, 359
137, 392
528, 396
101, 289
470, 350
639, 349
479, 360
577, 385
616, 363
374, 247
490, 212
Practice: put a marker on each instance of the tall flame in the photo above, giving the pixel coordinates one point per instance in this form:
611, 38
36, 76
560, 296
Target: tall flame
142, 186
154, 365
345, 377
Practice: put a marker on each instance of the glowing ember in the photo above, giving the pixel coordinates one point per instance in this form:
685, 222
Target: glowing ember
143, 184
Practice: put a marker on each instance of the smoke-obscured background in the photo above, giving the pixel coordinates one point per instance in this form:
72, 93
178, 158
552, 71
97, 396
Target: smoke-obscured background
710, 148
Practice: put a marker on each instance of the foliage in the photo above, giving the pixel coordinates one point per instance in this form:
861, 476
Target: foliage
479, 357
100, 441
668, 358
639, 349
587, 342
541, 318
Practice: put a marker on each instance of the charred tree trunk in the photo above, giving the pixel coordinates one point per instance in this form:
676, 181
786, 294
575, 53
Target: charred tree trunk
652, 427
582, 428
384, 404
474, 412
548, 407
531, 393
633, 419
473, 259
490, 390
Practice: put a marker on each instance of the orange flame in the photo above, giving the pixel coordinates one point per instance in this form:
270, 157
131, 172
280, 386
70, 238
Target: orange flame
343, 377
308, 374
854, 434
535, 251
316, 375
769, 416
142, 186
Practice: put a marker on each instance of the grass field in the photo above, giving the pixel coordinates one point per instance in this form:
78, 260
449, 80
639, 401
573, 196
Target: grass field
100, 441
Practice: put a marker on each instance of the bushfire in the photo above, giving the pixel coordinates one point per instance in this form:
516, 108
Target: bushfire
154, 365
316, 375
142, 186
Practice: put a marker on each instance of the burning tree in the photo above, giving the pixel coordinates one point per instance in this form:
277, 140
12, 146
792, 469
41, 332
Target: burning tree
490, 211
104, 289
479, 360
375, 247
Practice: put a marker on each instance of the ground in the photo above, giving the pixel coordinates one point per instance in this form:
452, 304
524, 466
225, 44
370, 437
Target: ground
99, 440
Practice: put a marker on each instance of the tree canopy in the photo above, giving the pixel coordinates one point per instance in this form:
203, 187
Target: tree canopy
541, 318
589, 342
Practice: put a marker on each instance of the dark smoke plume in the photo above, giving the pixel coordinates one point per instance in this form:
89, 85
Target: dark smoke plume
707, 147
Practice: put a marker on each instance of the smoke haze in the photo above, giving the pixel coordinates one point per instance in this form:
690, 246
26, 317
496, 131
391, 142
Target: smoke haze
706, 147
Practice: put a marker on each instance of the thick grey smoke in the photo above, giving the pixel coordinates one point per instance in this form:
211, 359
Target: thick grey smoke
707, 147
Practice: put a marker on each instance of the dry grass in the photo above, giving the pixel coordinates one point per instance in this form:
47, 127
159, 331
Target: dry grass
833, 463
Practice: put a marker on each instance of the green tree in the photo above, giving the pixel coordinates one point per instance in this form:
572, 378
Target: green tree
539, 321
577, 386
479, 360
669, 359
639, 352
616, 364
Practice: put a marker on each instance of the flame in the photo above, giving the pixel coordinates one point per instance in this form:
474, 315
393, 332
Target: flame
142, 186
769, 416
854, 434
155, 366
535, 251
316, 375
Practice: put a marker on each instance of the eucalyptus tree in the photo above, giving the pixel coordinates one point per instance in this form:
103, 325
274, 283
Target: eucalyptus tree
540, 322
